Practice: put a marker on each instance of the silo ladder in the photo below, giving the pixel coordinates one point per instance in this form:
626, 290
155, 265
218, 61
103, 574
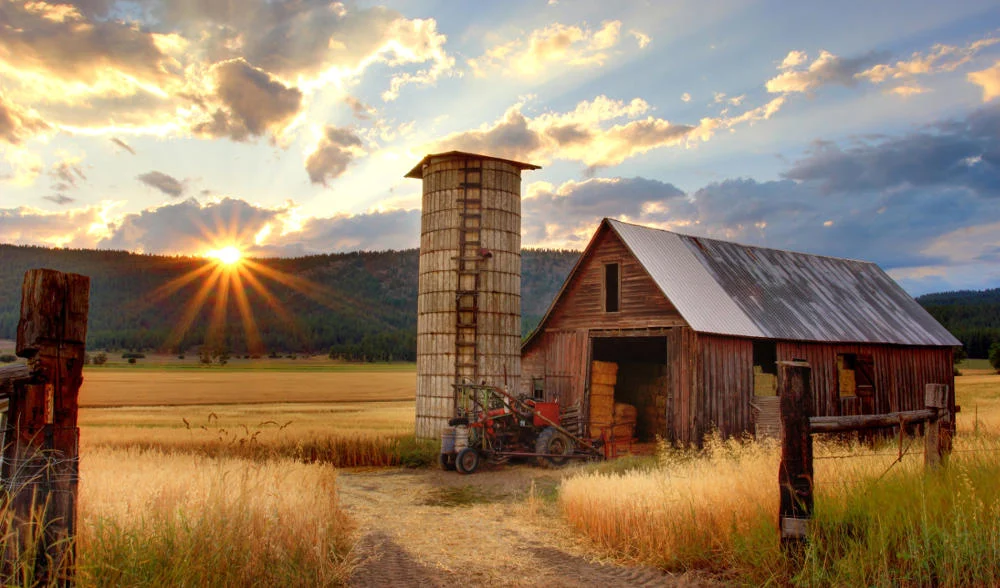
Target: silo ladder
469, 257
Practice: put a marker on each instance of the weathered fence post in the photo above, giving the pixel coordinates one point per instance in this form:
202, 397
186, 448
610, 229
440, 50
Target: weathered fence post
936, 400
41, 455
795, 475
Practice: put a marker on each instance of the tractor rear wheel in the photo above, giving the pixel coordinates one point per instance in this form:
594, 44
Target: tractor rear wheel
467, 461
553, 442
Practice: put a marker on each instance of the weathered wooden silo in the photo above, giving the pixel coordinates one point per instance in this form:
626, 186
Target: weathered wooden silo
469, 288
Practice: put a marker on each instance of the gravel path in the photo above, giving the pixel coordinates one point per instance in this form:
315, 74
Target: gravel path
434, 528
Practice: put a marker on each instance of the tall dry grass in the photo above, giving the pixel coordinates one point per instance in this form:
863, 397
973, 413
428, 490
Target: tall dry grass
717, 511
156, 519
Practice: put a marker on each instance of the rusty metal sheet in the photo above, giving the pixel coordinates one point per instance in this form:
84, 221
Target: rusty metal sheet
731, 289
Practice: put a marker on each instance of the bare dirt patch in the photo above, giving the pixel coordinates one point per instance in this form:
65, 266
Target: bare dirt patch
499, 527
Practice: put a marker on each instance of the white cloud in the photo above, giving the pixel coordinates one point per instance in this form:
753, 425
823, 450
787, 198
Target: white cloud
685, 97
989, 80
556, 44
642, 39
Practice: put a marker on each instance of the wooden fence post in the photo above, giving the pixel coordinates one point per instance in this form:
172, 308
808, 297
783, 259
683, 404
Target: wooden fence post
936, 399
41, 458
795, 475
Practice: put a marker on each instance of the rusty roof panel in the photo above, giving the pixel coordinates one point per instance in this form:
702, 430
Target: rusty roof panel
732, 289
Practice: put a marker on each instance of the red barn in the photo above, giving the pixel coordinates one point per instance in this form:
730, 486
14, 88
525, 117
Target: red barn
696, 326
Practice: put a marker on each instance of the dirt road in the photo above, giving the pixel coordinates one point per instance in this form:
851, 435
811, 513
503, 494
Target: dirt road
434, 528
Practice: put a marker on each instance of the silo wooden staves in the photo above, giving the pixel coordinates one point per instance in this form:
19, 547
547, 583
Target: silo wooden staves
469, 290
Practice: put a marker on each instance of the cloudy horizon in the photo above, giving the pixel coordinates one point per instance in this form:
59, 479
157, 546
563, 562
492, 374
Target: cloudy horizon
285, 128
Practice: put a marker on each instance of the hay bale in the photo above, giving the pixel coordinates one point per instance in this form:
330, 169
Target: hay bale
602, 390
603, 379
604, 367
625, 413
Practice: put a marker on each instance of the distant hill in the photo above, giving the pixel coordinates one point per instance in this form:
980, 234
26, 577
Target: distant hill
359, 304
972, 316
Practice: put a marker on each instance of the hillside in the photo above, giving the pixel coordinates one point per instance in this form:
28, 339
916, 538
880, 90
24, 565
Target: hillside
972, 316
358, 304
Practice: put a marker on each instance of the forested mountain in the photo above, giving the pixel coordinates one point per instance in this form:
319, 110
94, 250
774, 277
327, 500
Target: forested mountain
972, 316
356, 304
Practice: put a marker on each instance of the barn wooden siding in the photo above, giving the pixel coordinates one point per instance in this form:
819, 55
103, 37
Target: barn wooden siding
724, 387
560, 358
900, 375
581, 302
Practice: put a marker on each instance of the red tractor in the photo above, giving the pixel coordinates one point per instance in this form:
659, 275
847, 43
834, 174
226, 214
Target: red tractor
495, 426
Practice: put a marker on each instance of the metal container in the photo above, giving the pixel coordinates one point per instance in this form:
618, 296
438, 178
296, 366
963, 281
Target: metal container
448, 440
461, 438
469, 285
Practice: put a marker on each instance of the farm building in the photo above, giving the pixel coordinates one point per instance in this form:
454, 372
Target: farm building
697, 325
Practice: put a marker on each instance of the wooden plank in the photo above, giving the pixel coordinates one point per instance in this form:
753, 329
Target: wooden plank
795, 473
843, 424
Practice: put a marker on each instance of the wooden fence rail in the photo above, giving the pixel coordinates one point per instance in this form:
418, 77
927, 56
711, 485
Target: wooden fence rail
795, 474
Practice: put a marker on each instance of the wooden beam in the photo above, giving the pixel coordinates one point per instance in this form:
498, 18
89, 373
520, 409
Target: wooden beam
842, 424
795, 474
12, 374
41, 460
936, 401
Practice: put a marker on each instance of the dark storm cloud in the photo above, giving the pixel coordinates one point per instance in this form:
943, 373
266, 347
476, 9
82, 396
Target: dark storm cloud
165, 183
957, 154
253, 103
333, 154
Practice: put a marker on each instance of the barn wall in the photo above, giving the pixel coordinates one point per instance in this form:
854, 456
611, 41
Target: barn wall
900, 375
560, 357
723, 391
581, 305
725, 387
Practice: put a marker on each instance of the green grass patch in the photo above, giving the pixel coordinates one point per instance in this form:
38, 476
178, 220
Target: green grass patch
457, 496
975, 364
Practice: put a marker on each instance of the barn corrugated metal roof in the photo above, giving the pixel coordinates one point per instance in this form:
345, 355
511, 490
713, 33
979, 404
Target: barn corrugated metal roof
731, 289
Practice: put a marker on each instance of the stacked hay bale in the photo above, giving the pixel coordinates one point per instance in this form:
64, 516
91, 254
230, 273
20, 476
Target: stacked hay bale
623, 423
616, 419
603, 377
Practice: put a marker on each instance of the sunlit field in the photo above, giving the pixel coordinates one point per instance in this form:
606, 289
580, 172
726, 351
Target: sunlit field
875, 524
349, 418
156, 519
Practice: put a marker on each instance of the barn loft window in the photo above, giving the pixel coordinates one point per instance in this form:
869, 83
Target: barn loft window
612, 287
765, 368
855, 375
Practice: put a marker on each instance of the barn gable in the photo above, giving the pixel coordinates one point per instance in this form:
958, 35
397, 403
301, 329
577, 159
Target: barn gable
580, 303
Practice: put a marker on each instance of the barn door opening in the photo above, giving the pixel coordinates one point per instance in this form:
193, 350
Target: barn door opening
640, 380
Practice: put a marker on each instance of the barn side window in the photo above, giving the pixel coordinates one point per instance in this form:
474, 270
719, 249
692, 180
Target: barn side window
855, 375
612, 287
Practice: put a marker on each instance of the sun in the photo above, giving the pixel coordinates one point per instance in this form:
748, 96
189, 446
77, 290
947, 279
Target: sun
226, 256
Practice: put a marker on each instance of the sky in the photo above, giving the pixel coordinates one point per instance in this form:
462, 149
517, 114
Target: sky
868, 130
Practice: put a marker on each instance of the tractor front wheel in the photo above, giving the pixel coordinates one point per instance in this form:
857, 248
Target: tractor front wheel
556, 445
467, 461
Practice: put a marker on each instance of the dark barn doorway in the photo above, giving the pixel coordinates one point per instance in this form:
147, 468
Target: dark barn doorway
643, 379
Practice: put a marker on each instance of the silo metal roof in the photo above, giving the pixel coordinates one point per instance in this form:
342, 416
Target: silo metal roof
731, 289
418, 170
